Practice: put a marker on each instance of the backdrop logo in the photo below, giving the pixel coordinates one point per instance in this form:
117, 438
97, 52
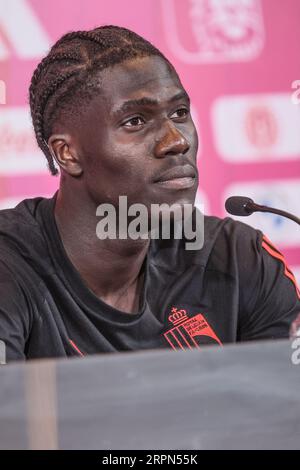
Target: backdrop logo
19, 152
21, 31
256, 128
261, 127
283, 194
200, 31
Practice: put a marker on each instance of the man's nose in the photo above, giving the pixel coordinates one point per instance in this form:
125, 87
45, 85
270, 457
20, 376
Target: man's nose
171, 142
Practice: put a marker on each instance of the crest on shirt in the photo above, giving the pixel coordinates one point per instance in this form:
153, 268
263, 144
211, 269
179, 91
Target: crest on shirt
189, 332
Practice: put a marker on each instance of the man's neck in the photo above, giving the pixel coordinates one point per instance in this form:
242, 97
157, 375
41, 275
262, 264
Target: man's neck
112, 269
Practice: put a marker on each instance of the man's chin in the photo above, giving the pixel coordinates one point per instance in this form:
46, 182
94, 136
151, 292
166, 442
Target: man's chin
178, 198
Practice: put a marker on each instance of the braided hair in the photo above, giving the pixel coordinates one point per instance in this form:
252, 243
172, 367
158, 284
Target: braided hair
66, 79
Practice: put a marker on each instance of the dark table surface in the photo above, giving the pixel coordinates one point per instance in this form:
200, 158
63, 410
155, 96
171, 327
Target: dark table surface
235, 397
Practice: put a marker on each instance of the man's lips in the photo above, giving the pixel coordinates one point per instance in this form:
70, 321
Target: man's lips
178, 177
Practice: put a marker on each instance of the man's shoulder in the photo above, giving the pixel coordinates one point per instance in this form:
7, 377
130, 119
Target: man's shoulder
228, 238
20, 229
234, 231
23, 212
227, 223
224, 241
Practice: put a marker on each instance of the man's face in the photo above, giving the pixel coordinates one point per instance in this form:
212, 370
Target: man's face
137, 137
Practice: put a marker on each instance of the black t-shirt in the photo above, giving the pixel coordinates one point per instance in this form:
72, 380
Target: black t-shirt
236, 288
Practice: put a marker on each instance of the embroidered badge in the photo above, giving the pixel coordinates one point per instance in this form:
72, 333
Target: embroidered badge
188, 333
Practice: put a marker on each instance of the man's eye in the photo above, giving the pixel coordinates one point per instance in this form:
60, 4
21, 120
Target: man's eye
180, 113
133, 122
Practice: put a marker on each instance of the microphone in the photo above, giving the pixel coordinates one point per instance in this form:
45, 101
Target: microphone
244, 206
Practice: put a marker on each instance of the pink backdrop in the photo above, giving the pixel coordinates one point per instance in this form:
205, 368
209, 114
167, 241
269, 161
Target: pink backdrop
237, 59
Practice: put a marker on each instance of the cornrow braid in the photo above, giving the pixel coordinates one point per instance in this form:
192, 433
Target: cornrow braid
38, 118
46, 61
66, 79
86, 35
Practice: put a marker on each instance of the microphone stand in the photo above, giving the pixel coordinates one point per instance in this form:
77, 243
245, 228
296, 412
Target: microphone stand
251, 207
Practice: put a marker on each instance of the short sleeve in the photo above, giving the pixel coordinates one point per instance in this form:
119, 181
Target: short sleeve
269, 295
14, 316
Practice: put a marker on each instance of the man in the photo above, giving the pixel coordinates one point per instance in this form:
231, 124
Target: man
110, 110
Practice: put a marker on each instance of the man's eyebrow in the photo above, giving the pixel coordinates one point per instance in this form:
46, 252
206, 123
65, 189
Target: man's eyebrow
128, 105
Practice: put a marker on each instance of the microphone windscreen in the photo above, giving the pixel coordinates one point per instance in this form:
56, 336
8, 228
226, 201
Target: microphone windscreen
237, 205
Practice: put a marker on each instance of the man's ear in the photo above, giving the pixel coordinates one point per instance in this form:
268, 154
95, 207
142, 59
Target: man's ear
65, 154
